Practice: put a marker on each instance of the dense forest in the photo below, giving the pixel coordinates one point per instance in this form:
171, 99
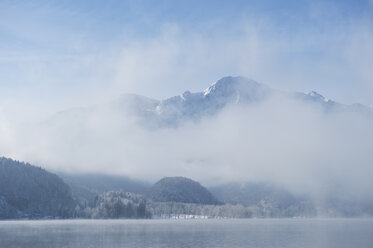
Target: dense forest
115, 205
30, 192
27, 191
180, 189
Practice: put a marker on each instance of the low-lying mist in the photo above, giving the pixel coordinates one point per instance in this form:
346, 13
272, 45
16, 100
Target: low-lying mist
283, 141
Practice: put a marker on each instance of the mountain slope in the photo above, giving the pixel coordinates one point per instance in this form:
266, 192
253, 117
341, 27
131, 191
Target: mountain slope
228, 90
29, 191
188, 106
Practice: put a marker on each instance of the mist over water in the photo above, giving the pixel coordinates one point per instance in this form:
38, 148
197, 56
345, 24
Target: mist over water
319, 233
63, 68
294, 144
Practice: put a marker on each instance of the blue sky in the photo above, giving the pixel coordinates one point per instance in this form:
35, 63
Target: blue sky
59, 54
56, 55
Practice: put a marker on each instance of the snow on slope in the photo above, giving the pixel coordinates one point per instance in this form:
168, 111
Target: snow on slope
194, 106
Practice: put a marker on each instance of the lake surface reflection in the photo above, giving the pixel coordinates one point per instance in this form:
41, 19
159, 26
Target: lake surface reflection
265, 233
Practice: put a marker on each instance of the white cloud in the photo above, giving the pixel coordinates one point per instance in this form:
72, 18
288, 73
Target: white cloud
277, 141
292, 144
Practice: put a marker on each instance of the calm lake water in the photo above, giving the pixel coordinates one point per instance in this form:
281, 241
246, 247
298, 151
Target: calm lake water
299, 233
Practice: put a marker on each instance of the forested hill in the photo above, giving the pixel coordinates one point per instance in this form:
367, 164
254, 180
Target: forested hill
30, 192
27, 191
180, 189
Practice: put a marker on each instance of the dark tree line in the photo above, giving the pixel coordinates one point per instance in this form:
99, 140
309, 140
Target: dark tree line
115, 205
27, 191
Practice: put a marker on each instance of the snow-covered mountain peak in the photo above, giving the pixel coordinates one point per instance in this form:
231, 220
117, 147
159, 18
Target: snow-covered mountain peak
228, 91
317, 96
229, 85
235, 90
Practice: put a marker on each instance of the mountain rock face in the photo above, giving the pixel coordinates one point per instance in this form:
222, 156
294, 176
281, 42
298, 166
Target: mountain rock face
27, 191
180, 189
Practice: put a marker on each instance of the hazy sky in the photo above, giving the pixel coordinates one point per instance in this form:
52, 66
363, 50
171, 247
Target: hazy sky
59, 54
55, 55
